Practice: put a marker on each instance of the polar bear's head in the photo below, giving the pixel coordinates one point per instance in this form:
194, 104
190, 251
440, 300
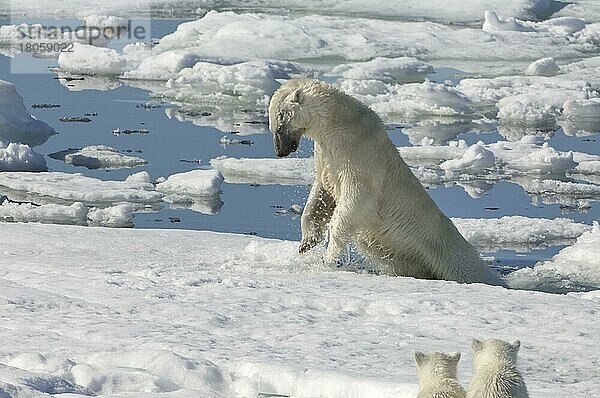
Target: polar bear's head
494, 350
288, 116
436, 364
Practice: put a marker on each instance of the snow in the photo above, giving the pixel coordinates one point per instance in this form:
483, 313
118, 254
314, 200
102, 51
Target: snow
389, 70
97, 157
576, 264
289, 171
16, 123
253, 81
58, 187
198, 190
104, 21
518, 232
438, 10
20, 157
476, 157
75, 214
408, 100
190, 313
251, 36
494, 24
195, 182
543, 67
91, 60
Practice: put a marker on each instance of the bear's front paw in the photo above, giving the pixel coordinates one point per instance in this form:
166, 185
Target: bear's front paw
307, 243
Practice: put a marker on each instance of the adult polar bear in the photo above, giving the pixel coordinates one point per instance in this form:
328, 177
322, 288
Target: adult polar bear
365, 191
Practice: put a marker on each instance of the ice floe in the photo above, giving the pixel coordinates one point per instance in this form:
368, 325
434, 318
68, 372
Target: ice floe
543, 67
389, 70
20, 157
289, 171
97, 157
198, 190
518, 232
64, 188
16, 123
573, 266
437, 10
91, 60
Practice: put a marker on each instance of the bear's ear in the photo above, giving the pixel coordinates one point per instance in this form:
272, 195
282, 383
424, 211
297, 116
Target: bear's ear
454, 357
476, 345
420, 358
516, 344
297, 97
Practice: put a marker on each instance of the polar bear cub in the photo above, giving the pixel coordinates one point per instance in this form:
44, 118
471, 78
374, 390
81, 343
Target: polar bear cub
495, 367
365, 191
437, 375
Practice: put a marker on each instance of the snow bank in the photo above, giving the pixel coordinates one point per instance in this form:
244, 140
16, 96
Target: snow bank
57, 187
389, 70
20, 157
91, 60
140, 312
16, 123
576, 265
97, 157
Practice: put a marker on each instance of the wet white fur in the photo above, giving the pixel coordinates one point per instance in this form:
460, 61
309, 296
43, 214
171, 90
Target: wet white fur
437, 375
367, 193
495, 370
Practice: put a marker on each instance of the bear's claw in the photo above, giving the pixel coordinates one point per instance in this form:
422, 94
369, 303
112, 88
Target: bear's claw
306, 245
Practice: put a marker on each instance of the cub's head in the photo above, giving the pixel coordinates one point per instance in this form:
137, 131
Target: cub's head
287, 117
436, 364
494, 350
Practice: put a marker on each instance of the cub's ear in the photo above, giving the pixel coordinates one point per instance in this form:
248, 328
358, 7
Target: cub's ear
297, 97
454, 357
476, 345
420, 358
516, 344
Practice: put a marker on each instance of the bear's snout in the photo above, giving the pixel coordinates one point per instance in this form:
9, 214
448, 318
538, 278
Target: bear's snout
284, 145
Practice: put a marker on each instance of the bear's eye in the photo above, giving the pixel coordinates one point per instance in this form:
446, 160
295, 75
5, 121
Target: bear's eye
289, 113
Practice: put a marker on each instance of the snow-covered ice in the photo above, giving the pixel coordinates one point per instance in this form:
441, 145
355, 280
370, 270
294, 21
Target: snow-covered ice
574, 265
62, 188
289, 171
198, 190
91, 60
389, 70
97, 157
20, 157
439, 10
16, 123
188, 313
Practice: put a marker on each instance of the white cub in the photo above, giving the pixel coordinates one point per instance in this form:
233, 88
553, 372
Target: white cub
365, 192
495, 367
437, 375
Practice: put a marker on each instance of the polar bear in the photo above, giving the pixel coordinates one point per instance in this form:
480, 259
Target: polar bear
495, 367
365, 191
437, 375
